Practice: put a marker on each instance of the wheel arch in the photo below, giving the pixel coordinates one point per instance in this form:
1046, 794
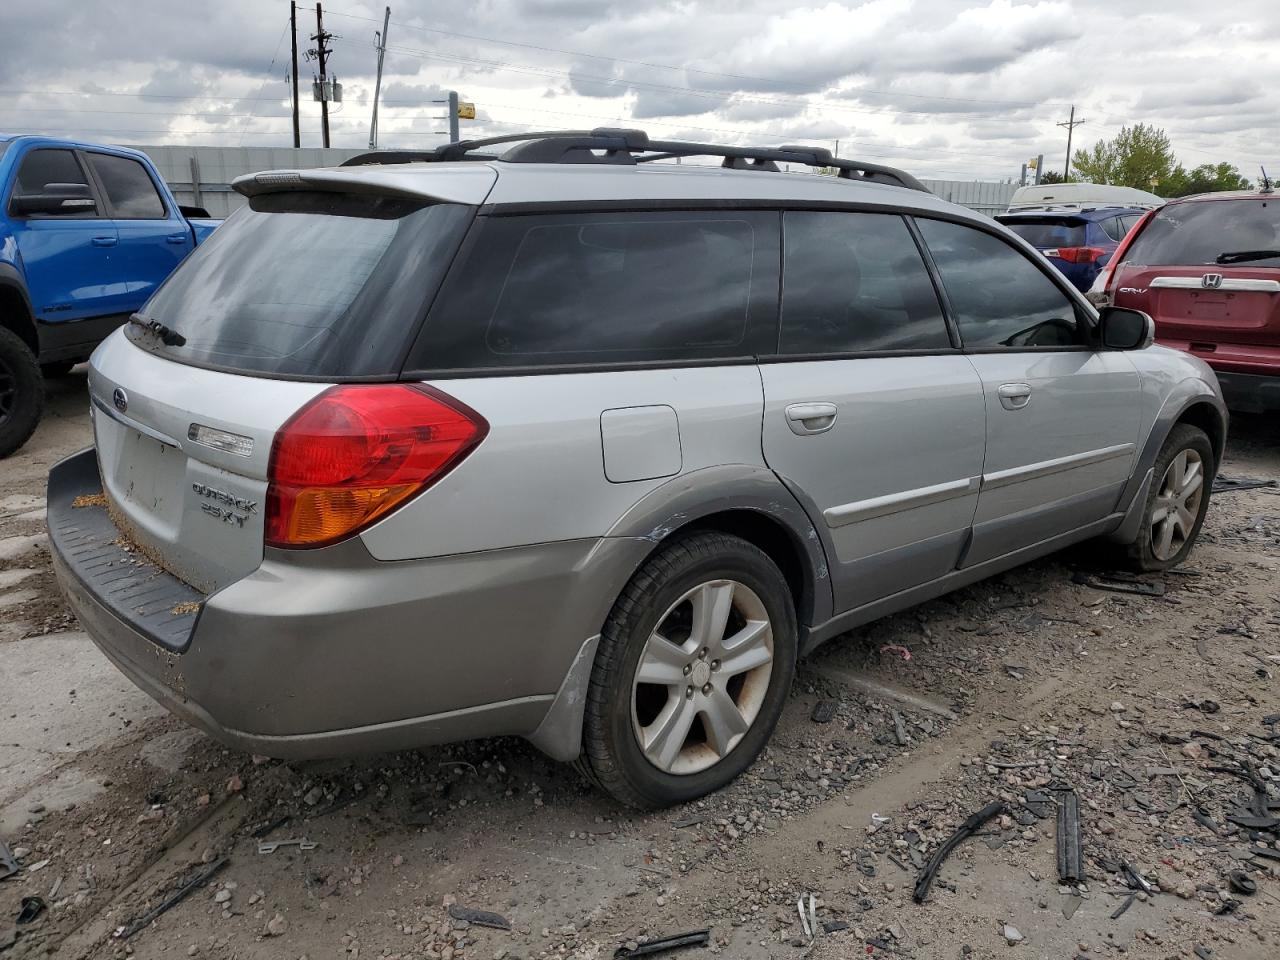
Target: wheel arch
15, 308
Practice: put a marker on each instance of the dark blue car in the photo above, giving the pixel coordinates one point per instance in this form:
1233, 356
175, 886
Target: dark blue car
1077, 242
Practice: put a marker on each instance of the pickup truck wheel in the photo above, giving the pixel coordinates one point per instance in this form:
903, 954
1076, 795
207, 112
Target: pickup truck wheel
21, 392
691, 674
1177, 501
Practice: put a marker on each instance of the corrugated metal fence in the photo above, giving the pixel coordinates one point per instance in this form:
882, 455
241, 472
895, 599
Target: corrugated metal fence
201, 176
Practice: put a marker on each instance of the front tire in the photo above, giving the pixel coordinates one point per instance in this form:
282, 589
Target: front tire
1177, 501
691, 673
21, 392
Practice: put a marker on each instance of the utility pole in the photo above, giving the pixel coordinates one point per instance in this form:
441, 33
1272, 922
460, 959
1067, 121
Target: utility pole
377, 87
453, 116
1070, 124
293, 32
322, 54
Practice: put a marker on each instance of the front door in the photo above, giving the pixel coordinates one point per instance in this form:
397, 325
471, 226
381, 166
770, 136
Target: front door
872, 416
1062, 416
69, 259
153, 239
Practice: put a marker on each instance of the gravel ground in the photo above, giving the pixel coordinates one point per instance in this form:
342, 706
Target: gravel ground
1153, 709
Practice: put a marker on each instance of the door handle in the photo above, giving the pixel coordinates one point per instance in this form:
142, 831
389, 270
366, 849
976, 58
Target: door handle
104, 241
1014, 396
806, 419
177, 238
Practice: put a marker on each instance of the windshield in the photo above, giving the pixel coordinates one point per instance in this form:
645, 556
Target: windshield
1049, 231
1201, 231
320, 285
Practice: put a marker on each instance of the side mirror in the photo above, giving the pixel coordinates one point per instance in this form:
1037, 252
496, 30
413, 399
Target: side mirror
56, 198
1125, 329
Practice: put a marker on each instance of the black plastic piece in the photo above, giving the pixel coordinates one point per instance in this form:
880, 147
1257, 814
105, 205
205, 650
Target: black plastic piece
963, 832
480, 918
8, 865
1069, 843
198, 880
697, 938
152, 601
31, 908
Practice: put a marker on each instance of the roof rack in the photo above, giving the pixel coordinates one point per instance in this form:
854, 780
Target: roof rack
618, 146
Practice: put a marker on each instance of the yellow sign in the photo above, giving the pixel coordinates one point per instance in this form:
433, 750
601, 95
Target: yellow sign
1031, 164
466, 111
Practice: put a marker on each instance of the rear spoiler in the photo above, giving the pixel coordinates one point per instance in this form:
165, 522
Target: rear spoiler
469, 185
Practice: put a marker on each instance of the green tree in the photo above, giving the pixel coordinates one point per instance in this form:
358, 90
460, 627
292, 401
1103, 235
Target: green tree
1051, 176
1206, 178
1138, 156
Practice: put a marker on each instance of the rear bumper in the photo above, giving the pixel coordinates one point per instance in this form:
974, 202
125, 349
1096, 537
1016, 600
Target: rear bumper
330, 652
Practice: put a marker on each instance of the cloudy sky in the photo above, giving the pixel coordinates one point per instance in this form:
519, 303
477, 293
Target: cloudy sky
957, 89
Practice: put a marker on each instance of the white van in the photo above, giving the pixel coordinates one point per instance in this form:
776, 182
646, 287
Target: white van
1078, 196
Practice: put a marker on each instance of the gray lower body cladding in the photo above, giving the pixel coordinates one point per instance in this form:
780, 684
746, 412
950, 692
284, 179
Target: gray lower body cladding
328, 652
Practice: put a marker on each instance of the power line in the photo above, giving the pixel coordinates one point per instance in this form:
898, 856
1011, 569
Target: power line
270, 67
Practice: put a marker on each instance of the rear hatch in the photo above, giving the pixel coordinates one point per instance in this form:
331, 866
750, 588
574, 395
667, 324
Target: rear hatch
1208, 271
1063, 238
296, 291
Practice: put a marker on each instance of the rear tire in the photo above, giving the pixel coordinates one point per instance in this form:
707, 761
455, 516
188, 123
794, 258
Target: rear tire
1177, 501
21, 392
691, 674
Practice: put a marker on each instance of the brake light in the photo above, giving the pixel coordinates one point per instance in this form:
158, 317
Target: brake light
356, 452
1076, 254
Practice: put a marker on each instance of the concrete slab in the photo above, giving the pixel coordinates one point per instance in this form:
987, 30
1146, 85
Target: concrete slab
60, 696
9, 578
11, 547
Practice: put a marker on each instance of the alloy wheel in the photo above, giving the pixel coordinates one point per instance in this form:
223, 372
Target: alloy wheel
1177, 504
702, 677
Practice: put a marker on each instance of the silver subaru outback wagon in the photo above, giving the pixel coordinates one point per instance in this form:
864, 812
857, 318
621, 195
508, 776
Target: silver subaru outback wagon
570, 444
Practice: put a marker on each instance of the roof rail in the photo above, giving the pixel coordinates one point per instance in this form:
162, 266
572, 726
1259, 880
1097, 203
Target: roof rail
620, 146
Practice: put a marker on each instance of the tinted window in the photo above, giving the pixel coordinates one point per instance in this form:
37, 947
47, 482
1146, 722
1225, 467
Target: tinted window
1049, 231
1127, 222
316, 284
1113, 227
605, 288
1201, 231
998, 296
129, 188
855, 281
42, 167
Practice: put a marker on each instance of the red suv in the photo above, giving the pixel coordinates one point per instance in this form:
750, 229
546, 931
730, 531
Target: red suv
1207, 268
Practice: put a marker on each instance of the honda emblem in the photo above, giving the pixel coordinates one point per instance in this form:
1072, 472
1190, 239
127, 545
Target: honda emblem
1211, 281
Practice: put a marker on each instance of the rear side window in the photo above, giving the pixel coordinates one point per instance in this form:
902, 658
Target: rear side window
129, 188
320, 285
1113, 227
998, 296
1203, 231
600, 288
1050, 231
855, 282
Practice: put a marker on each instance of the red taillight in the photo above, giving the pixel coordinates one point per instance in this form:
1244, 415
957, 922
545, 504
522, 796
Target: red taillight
356, 452
1077, 254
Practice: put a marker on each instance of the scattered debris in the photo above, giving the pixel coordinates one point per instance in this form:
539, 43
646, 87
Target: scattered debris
698, 938
201, 877
1241, 882
824, 711
1225, 484
1069, 842
808, 922
1118, 912
480, 918
897, 648
1012, 934
899, 730
32, 907
962, 833
1146, 588
1136, 880
834, 926
277, 925
271, 846
692, 821
8, 863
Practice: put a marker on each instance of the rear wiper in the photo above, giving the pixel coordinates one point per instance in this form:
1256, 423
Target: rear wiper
168, 336
1241, 256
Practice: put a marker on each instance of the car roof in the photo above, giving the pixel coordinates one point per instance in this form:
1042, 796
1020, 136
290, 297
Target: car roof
1088, 213
68, 143
1227, 195
500, 182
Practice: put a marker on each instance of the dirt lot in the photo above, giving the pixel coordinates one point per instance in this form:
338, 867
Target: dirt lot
1019, 682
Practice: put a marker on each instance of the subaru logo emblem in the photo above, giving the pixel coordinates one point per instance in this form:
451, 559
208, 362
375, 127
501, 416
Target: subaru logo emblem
120, 399
1211, 281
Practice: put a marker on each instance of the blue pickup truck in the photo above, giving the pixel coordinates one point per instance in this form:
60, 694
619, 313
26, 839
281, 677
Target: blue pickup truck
87, 232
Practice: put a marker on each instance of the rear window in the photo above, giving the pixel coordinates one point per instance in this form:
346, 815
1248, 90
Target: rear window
1202, 231
605, 288
320, 285
1049, 231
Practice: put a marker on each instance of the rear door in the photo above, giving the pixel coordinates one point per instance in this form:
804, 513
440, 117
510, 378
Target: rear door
1208, 271
152, 238
70, 260
1061, 417
871, 413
